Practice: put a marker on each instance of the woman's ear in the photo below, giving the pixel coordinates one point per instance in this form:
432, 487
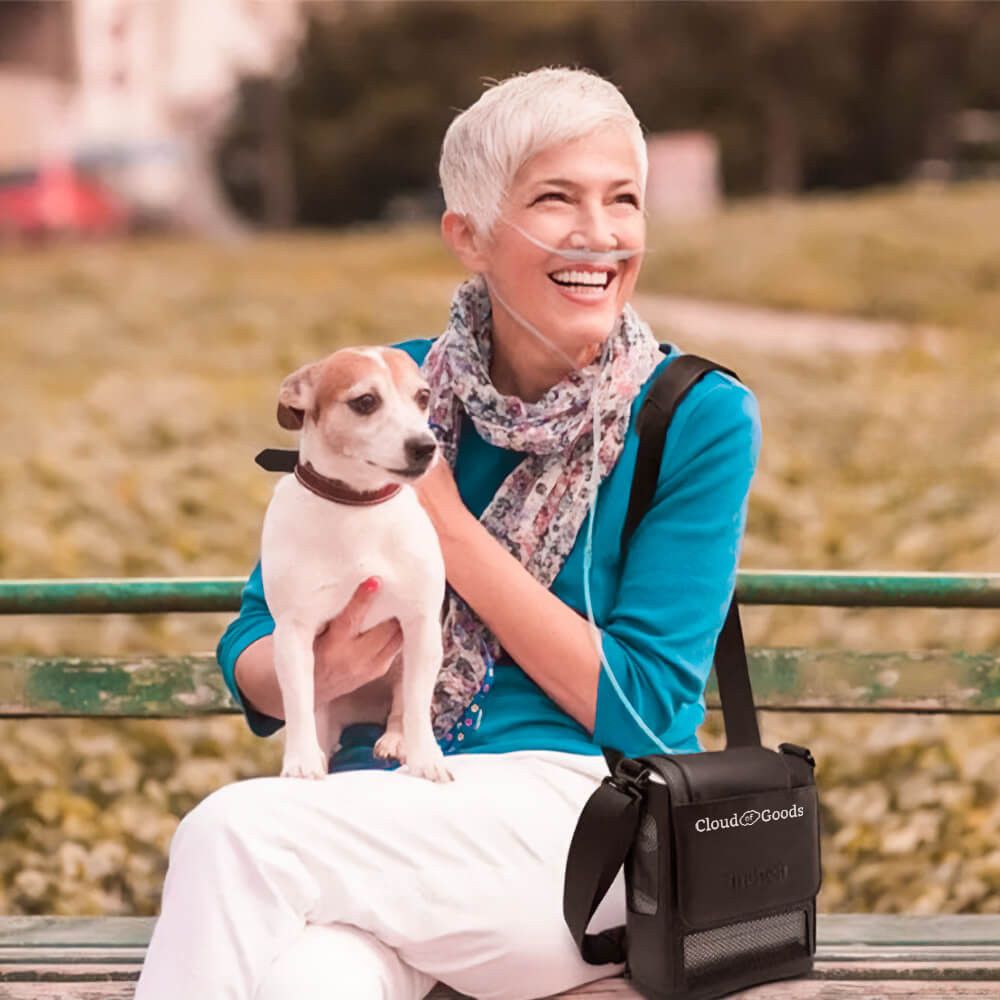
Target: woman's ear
465, 243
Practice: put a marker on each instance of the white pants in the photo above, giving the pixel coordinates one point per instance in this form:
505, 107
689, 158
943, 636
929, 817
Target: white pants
373, 885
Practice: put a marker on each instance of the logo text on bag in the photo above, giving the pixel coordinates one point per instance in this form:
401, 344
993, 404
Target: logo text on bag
753, 878
748, 818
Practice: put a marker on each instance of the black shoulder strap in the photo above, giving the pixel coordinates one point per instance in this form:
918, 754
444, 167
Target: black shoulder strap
673, 384
609, 822
603, 837
665, 395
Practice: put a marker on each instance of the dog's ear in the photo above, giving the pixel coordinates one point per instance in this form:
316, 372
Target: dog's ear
290, 418
295, 397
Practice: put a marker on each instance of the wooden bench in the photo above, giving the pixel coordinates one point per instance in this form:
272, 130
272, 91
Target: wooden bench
858, 955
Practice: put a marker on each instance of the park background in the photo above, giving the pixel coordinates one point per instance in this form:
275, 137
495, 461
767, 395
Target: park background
181, 232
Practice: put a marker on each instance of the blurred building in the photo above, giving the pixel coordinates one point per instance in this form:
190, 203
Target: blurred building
684, 177
135, 94
37, 74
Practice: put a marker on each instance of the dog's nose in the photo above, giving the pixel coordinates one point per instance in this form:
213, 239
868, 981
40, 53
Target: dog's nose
420, 451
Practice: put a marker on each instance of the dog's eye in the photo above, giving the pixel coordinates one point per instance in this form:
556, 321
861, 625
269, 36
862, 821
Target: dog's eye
423, 398
368, 403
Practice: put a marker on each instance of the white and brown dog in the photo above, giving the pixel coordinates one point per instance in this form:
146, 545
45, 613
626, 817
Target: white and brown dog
349, 512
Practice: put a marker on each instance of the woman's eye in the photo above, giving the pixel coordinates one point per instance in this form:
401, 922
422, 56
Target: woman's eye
631, 198
368, 403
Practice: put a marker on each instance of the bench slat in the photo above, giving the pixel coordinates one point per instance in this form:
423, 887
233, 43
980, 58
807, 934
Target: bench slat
906, 956
836, 932
812, 988
846, 930
86, 933
68, 991
783, 679
973, 962
614, 989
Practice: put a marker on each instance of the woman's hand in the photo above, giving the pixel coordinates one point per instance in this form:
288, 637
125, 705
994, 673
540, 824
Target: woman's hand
347, 658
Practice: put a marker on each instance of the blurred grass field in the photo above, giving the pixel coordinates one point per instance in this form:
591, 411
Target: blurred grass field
141, 379
919, 254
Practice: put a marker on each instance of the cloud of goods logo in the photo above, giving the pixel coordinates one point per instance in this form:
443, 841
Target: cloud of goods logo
748, 818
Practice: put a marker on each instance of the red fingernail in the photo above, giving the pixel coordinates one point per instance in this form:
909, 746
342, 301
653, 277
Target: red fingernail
371, 584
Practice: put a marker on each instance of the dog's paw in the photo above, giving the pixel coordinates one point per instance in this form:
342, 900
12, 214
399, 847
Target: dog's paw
304, 765
390, 745
429, 765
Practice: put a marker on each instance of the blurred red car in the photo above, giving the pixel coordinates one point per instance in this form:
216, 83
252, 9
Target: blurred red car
58, 200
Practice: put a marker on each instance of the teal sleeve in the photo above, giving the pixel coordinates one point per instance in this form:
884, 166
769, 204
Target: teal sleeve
254, 622
680, 573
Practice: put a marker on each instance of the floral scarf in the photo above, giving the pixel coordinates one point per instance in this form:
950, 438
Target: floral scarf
540, 507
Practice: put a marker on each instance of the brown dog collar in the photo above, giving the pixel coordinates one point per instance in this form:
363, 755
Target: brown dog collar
287, 460
338, 492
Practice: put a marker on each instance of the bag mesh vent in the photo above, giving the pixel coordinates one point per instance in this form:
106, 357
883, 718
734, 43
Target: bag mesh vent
764, 940
643, 898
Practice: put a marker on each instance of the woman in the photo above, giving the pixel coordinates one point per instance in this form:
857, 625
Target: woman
373, 883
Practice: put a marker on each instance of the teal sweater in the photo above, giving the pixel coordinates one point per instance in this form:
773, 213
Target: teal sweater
660, 603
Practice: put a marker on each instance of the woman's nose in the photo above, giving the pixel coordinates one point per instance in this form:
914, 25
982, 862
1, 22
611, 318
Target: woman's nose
595, 229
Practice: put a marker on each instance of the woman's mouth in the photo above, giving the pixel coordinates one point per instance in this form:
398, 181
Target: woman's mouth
583, 285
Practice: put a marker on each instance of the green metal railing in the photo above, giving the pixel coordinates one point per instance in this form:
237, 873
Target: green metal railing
785, 679
157, 596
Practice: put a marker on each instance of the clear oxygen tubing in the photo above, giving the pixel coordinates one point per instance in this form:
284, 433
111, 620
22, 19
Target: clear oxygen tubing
596, 257
569, 253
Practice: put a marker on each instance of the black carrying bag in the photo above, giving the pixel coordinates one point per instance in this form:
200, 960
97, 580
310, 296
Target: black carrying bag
721, 849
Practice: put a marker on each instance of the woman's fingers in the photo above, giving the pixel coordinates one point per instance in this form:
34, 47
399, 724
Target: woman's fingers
345, 653
393, 646
348, 622
379, 641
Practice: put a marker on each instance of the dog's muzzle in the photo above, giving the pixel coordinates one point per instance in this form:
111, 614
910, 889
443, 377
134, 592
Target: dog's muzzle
419, 455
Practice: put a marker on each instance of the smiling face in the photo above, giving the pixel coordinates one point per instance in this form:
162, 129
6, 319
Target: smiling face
580, 194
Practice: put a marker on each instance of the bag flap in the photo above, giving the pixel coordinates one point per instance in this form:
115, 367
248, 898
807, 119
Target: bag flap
742, 855
719, 774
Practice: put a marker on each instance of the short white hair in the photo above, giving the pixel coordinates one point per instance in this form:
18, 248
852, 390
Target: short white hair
487, 144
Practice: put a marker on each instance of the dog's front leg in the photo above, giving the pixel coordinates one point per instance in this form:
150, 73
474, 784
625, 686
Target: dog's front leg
391, 743
422, 655
293, 664
328, 729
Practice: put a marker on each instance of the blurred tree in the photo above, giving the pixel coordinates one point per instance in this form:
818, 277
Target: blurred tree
256, 155
800, 93
941, 49
378, 86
